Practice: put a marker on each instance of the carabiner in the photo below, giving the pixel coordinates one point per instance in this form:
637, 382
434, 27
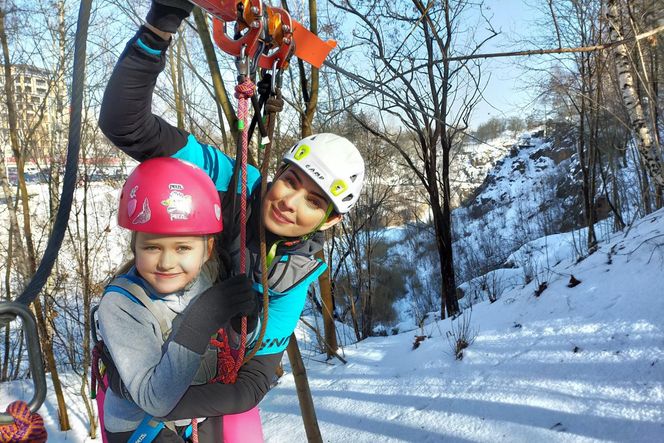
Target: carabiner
273, 80
34, 355
242, 64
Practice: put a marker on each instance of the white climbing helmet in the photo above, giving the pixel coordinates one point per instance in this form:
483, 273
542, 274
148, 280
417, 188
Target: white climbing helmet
334, 164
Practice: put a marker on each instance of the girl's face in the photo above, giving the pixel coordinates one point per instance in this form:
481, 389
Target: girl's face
295, 205
170, 262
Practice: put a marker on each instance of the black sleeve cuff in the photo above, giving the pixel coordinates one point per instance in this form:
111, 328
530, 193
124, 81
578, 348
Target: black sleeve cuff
167, 18
192, 338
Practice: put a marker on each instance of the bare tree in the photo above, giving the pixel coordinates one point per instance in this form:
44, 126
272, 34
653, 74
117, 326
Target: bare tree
358, 236
412, 79
44, 315
646, 143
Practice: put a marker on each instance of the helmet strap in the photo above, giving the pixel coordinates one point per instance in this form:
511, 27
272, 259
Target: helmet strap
328, 211
272, 253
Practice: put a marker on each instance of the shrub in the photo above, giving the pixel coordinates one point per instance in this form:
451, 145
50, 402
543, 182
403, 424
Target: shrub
461, 334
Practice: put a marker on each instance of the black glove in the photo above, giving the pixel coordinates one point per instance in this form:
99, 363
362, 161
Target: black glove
252, 319
213, 309
166, 15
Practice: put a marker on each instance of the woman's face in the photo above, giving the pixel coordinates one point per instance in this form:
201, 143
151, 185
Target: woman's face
295, 205
169, 262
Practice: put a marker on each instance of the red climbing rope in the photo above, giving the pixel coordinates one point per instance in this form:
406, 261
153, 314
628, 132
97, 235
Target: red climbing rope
225, 361
229, 364
27, 426
194, 430
243, 91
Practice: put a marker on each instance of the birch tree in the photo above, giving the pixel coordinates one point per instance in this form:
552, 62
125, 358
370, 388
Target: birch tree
649, 151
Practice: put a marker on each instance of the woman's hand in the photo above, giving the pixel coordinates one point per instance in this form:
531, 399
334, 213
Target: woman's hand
165, 16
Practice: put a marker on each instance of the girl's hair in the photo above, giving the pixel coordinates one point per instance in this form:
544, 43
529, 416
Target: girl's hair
125, 267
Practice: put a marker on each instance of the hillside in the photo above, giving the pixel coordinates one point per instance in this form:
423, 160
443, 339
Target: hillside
573, 364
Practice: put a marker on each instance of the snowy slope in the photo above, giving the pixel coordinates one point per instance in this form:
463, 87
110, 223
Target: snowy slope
469, 166
572, 365
575, 364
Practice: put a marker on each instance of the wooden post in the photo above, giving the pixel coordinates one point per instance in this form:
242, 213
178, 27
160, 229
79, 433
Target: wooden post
328, 308
303, 392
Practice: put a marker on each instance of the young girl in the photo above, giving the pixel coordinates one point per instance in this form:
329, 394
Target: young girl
156, 320
320, 180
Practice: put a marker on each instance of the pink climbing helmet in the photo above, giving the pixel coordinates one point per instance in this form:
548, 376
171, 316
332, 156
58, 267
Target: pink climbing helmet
170, 196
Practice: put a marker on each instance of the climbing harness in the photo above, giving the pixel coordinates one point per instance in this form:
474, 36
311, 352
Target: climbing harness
150, 427
21, 422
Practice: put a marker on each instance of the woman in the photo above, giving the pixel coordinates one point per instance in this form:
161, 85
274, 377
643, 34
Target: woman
320, 180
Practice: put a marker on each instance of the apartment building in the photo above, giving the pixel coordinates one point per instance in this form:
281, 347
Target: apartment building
42, 116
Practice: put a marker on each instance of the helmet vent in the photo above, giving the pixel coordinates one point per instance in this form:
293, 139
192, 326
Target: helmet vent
347, 198
353, 178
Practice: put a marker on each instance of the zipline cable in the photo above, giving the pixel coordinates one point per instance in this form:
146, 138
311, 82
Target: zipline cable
71, 166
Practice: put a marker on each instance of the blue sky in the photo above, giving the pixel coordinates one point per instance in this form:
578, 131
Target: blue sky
509, 90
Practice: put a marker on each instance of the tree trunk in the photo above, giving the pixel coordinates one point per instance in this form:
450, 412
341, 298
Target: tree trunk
448, 278
87, 300
310, 96
651, 155
449, 304
45, 336
4, 370
217, 81
353, 315
328, 309
303, 392
59, 88
175, 79
645, 187
581, 151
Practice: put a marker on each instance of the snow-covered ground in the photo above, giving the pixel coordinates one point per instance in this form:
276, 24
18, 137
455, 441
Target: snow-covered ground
577, 364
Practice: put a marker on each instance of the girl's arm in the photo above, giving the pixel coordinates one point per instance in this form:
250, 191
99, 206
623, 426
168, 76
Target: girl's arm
155, 375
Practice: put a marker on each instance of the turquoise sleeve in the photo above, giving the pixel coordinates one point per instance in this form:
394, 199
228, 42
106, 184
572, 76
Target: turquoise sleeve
284, 313
216, 164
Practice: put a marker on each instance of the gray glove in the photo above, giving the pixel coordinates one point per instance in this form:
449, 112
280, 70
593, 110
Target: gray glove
167, 15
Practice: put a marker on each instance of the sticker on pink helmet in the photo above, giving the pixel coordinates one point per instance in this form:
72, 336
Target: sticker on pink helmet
131, 207
178, 205
145, 215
